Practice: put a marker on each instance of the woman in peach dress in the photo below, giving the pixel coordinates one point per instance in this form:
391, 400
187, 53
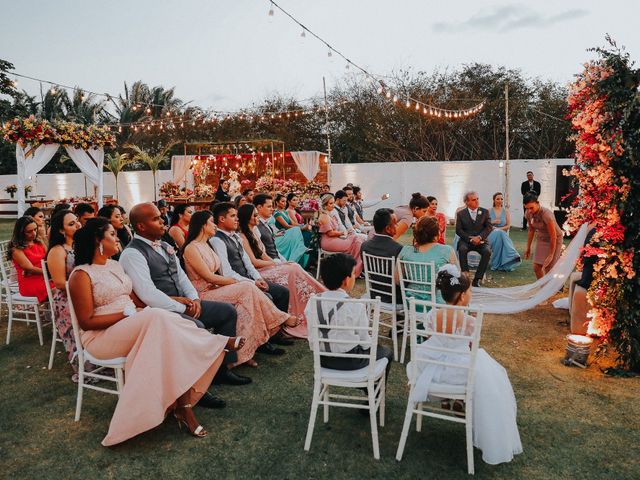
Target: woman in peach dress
170, 362
258, 317
301, 285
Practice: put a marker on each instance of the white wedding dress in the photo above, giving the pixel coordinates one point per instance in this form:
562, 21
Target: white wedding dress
495, 430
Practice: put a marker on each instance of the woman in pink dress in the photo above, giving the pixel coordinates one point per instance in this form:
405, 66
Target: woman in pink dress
333, 238
432, 212
301, 285
543, 226
170, 361
27, 253
258, 317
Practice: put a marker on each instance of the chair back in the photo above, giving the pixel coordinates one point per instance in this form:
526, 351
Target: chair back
47, 284
417, 279
8, 280
379, 277
444, 330
75, 327
322, 345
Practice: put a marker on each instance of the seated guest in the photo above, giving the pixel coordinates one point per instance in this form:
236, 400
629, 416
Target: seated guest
114, 215
222, 194
341, 214
334, 237
338, 273
432, 211
494, 404
235, 261
425, 249
60, 206
360, 204
500, 216
164, 211
473, 226
239, 201
354, 217
579, 304
38, 216
27, 252
258, 317
407, 214
60, 262
170, 362
276, 269
84, 212
125, 220
289, 241
179, 226
382, 243
159, 281
248, 195
297, 220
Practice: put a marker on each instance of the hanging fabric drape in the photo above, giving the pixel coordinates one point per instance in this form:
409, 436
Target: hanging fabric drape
180, 167
30, 162
525, 297
91, 163
308, 163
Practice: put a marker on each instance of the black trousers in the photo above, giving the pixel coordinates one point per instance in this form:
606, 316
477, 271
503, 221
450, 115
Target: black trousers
343, 363
221, 318
483, 249
279, 295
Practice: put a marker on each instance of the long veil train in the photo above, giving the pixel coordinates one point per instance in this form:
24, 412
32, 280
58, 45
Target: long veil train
525, 297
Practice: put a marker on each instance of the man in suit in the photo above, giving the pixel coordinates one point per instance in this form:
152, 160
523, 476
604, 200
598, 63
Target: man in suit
529, 186
237, 264
159, 281
382, 243
264, 206
473, 226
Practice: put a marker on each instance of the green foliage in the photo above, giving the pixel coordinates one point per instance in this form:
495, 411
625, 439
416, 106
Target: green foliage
116, 163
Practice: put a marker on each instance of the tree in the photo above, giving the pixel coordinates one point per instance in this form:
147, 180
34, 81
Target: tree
116, 163
154, 162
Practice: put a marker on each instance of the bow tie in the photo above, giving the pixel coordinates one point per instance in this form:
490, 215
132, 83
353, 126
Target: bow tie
156, 245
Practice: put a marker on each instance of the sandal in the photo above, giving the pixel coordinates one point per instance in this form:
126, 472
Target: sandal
235, 343
198, 431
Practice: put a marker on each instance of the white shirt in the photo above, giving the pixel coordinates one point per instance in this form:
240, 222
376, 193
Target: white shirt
136, 266
257, 234
473, 213
334, 214
350, 314
347, 220
221, 249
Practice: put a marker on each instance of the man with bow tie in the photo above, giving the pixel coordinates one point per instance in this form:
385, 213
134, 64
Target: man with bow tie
473, 226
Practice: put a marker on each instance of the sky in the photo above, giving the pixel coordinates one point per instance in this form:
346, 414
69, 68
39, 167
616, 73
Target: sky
227, 54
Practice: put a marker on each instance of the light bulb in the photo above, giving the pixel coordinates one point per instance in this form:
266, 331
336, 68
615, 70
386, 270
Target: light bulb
388, 94
271, 11
379, 90
329, 54
408, 104
303, 34
395, 98
53, 90
417, 106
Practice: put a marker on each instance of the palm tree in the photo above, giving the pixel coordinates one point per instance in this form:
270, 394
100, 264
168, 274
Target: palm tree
116, 163
152, 161
82, 108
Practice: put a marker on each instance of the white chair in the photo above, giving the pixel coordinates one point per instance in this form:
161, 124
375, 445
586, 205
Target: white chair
416, 279
321, 254
20, 308
371, 377
4, 247
117, 364
54, 330
453, 319
379, 278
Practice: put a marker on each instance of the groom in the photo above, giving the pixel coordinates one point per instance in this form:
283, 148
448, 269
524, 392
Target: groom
159, 281
473, 226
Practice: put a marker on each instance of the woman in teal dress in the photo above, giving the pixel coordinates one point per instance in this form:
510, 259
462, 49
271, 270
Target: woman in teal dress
290, 242
426, 248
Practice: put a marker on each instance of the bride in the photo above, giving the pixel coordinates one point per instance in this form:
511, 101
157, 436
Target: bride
495, 430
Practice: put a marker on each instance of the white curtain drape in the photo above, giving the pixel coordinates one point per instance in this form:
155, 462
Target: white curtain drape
91, 163
308, 163
30, 165
180, 167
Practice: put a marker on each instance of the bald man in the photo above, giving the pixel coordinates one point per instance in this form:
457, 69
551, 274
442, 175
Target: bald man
159, 281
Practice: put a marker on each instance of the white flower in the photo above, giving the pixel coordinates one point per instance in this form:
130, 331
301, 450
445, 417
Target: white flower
454, 281
451, 269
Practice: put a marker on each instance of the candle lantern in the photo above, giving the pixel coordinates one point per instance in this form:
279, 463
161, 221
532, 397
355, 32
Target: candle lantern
578, 350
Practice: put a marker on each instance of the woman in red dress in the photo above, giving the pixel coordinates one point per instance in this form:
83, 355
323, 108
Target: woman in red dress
432, 211
180, 223
27, 252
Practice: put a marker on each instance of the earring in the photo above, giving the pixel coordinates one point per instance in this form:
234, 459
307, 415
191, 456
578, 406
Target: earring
101, 249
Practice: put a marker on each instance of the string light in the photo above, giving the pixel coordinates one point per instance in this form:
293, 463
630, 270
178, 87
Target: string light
303, 34
271, 11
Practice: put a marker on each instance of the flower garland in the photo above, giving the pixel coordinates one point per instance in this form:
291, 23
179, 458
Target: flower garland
603, 169
36, 131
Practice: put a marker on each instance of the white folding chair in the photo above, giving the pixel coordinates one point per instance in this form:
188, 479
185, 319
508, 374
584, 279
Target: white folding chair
19, 307
321, 254
117, 364
4, 247
371, 377
416, 279
426, 355
54, 329
379, 278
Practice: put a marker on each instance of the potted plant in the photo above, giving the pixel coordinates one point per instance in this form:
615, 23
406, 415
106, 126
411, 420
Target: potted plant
27, 191
11, 190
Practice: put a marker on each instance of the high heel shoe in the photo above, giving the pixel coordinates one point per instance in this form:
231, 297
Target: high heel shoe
198, 431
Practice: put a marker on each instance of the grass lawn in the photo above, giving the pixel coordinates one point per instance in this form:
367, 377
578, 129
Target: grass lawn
573, 423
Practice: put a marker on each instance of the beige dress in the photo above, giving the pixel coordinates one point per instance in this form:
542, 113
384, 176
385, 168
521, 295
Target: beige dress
258, 317
539, 221
166, 354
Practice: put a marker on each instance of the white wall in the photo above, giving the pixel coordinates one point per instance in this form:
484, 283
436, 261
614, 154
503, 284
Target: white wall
134, 187
448, 181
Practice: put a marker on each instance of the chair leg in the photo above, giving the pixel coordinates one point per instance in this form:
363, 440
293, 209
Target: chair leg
405, 429
80, 393
394, 334
325, 409
318, 266
419, 419
36, 311
9, 323
119, 379
54, 336
312, 416
469, 432
374, 422
405, 334
383, 388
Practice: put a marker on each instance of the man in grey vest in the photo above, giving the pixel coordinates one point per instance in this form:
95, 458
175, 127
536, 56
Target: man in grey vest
159, 281
236, 263
264, 206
